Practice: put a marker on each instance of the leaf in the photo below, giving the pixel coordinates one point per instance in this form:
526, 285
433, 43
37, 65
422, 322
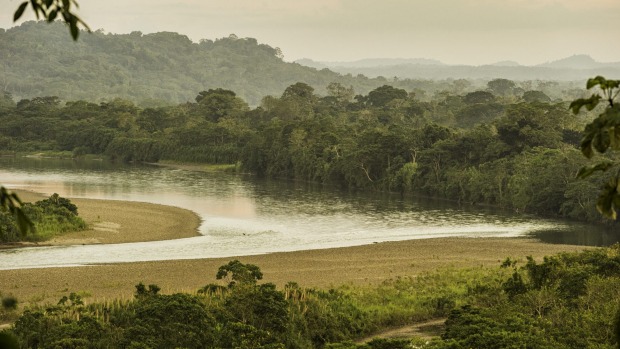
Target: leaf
614, 137
52, 16
20, 11
609, 84
586, 148
589, 103
595, 81
576, 105
607, 197
75, 32
23, 222
587, 171
36, 7
601, 141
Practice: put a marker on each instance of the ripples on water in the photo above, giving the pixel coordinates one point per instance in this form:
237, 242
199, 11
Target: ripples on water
242, 215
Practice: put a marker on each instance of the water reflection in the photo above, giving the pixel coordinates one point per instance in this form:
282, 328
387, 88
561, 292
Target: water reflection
244, 215
584, 235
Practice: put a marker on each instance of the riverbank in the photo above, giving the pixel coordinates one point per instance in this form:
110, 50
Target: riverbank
360, 265
114, 222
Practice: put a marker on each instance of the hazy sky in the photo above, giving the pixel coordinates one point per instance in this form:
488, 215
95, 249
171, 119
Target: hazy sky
453, 31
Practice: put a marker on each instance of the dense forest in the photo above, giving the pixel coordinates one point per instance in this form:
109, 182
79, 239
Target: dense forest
499, 146
567, 301
40, 59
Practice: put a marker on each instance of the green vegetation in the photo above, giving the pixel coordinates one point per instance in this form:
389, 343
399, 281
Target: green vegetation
491, 146
49, 217
600, 136
158, 69
567, 301
50, 9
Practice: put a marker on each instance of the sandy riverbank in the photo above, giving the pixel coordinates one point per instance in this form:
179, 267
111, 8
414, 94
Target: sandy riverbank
361, 265
113, 222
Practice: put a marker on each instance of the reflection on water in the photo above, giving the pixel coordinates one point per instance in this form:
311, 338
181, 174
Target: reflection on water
584, 235
243, 215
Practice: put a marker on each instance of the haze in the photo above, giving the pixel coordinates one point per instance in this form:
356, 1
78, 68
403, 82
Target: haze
472, 32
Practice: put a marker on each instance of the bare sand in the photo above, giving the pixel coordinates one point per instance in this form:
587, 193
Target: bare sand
360, 265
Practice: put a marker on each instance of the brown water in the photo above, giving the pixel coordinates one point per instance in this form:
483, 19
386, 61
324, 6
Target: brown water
243, 215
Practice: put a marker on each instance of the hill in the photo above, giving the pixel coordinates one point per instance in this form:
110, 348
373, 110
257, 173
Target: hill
40, 59
575, 68
579, 62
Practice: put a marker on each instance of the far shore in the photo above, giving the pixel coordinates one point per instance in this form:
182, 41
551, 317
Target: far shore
366, 265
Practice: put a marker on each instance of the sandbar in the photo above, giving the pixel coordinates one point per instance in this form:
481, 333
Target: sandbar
360, 265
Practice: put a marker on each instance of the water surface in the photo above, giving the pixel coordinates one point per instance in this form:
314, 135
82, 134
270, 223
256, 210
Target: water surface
243, 215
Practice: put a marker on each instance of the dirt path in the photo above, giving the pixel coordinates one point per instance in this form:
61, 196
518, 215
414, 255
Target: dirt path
426, 330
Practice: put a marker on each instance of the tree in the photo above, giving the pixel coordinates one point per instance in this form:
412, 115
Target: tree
535, 96
217, 103
478, 97
502, 87
341, 93
600, 136
381, 96
239, 272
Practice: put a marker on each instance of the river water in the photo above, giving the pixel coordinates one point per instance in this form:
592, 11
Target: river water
243, 215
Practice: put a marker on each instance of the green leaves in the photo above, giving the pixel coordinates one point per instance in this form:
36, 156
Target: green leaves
12, 203
609, 199
587, 171
240, 272
49, 10
20, 11
602, 134
589, 103
603, 83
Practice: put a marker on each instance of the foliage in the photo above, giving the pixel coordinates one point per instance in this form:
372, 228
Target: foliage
568, 300
49, 217
49, 10
472, 148
165, 68
239, 273
601, 135
10, 202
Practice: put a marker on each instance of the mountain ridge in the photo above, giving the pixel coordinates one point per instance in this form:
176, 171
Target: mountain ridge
576, 61
40, 59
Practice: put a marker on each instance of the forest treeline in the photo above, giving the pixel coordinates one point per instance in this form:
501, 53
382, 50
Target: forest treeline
40, 59
566, 301
498, 146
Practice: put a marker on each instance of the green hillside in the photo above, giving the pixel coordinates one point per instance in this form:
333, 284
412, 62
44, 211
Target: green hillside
40, 59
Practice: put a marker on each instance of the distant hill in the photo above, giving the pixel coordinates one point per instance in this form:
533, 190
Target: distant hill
579, 62
506, 64
40, 59
575, 68
369, 62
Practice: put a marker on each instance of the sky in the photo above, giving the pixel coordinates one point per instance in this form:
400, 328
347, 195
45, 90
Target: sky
472, 32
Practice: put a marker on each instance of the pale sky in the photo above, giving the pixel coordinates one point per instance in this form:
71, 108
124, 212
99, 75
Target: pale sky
453, 31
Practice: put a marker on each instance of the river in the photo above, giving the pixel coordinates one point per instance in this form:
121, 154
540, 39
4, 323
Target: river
243, 215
